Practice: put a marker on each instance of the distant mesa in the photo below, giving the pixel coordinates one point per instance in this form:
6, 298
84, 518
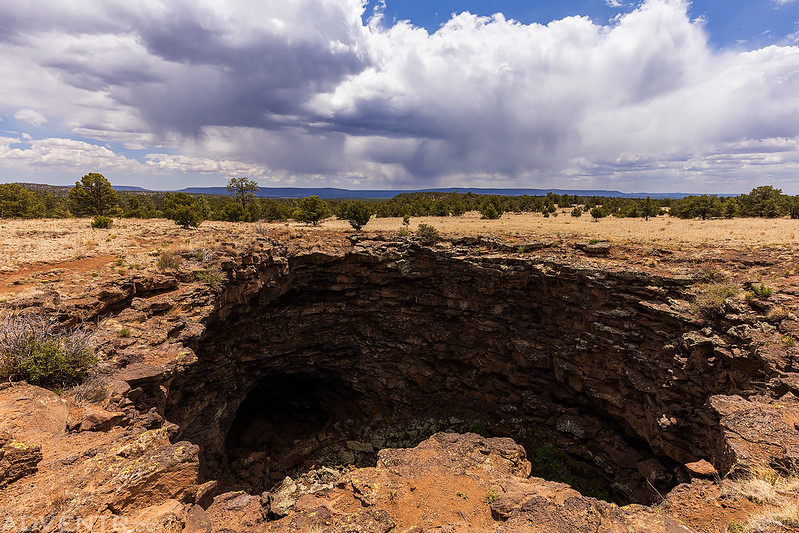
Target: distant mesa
332, 192
348, 194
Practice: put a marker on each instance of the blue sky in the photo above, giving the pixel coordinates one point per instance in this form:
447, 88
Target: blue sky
730, 23
652, 95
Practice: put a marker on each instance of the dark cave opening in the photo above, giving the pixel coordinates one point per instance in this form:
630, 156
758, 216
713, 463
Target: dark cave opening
289, 424
282, 424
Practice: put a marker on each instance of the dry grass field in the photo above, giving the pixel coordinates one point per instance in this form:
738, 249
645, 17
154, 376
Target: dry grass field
662, 231
24, 242
36, 253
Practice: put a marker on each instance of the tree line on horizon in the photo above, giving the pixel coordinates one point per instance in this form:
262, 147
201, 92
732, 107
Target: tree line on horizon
93, 195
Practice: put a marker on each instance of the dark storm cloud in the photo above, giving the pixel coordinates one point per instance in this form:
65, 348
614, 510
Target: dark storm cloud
304, 89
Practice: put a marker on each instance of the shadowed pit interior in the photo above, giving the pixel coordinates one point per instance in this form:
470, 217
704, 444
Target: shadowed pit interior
340, 356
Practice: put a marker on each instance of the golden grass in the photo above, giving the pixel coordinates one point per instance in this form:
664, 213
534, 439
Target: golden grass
785, 516
775, 495
51, 241
657, 231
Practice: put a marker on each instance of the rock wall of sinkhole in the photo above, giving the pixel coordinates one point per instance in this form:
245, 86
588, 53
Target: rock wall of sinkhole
325, 358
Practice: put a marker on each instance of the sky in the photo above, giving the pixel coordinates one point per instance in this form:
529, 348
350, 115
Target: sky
651, 95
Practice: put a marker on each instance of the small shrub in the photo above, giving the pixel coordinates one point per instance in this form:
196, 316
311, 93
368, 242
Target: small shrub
492, 495
427, 234
713, 296
169, 261
761, 291
577, 212
406, 221
202, 255
261, 229
714, 274
125, 333
357, 213
213, 276
489, 211
101, 222
789, 340
593, 241
461, 495
34, 350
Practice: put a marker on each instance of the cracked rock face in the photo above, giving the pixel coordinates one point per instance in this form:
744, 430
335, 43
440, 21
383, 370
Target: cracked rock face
303, 363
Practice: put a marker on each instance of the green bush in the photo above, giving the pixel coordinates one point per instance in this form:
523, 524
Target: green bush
357, 213
187, 211
311, 210
18, 202
34, 350
213, 276
427, 234
101, 222
577, 212
480, 428
761, 291
492, 495
489, 211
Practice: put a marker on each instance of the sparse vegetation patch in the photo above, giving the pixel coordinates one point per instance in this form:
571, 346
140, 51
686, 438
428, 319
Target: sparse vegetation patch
713, 296
33, 349
169, 261
213, 276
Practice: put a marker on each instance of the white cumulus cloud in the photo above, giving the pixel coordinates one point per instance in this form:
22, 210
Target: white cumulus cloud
306, 90
69, 155
31, 116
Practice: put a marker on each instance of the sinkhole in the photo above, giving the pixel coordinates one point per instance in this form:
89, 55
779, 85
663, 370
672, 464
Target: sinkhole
333, 358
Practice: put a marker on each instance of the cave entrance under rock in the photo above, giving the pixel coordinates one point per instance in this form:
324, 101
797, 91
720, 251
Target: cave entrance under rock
338, 357
281, 425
